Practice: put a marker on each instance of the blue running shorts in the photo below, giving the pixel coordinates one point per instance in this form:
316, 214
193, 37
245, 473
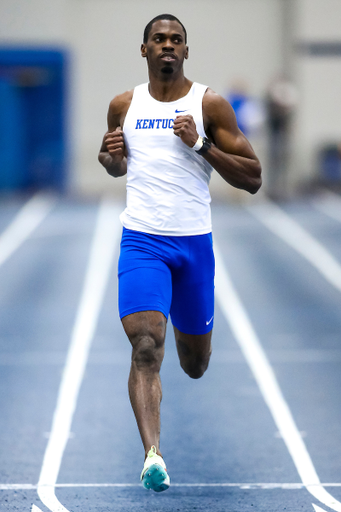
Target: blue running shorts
171, 274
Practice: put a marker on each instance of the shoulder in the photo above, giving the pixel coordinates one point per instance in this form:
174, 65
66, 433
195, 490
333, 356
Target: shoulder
216, 108
218, 114
120, 102
118, 109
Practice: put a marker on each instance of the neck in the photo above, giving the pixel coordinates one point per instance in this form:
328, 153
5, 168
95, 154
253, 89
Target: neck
168, 88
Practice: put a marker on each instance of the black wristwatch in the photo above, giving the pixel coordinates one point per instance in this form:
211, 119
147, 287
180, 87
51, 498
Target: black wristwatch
205, 146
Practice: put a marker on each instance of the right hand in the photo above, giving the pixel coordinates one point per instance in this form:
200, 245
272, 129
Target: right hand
114, 142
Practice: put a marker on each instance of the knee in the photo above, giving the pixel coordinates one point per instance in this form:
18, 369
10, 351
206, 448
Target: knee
196, 369
194, 353
148, 353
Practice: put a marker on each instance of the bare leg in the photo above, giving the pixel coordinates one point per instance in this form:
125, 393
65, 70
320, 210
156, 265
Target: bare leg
146, 331
194, 352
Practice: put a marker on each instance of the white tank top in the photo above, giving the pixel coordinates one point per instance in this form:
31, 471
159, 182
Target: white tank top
167, 182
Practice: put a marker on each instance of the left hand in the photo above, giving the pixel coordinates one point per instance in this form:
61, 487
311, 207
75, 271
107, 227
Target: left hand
184, 127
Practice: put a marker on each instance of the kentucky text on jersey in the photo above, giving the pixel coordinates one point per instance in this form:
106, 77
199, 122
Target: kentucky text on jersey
150, 124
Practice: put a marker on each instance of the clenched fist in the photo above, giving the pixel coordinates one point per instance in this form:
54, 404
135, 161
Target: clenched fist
184, 127
114, 142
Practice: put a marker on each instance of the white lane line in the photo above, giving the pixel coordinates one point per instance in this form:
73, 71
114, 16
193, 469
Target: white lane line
255, 356
14, 487
245, 485
35, 509
318, 509
277, 221
25, 222
105, 241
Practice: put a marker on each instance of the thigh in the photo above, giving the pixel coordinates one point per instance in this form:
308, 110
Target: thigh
144, 280
144, 289
192, 308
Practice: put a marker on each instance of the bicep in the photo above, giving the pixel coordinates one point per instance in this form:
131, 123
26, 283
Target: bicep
117, 110
223, 127
113, 118
232, 142
113, 123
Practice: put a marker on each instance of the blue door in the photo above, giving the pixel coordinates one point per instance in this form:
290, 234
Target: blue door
32, 119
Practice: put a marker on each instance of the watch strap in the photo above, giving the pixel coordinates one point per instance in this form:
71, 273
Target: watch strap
199, 143
205, 146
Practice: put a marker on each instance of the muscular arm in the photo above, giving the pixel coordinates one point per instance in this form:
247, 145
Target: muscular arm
231, 154
112, 154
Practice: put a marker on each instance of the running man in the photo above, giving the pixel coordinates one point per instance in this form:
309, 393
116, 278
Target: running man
168, 135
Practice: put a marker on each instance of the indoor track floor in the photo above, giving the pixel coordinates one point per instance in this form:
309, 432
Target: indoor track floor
259, 432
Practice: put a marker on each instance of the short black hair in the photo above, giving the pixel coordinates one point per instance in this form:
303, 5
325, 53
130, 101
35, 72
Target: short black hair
161, 17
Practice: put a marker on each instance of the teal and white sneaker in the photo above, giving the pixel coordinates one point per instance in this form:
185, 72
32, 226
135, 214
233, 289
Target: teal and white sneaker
154, 474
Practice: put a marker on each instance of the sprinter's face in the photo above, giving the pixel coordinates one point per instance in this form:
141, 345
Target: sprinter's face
165, 49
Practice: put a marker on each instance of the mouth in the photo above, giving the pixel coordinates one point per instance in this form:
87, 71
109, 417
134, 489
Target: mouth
168, 57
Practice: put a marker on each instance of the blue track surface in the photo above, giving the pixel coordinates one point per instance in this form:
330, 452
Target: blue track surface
217, 430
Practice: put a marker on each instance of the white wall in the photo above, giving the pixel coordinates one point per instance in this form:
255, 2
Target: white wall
227, 39
319, 82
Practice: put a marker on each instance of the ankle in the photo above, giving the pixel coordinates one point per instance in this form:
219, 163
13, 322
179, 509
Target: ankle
155, 450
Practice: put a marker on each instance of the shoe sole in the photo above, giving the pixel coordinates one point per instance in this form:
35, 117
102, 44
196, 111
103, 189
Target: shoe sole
156, 478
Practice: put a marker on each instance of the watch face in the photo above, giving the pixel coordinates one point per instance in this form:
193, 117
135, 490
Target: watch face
205, 147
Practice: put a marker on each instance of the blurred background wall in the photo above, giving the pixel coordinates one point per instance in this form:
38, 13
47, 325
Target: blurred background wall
248, 42
316, 69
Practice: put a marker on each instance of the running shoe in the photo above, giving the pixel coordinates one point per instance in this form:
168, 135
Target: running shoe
154, 474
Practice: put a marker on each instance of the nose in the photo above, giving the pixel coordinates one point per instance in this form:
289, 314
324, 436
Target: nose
168, 45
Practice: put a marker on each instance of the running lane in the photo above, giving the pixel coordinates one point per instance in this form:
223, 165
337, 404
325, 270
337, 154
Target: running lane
40, 287
219, 439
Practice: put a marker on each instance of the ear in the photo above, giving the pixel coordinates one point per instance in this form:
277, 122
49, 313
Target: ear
143, 50
187, 52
